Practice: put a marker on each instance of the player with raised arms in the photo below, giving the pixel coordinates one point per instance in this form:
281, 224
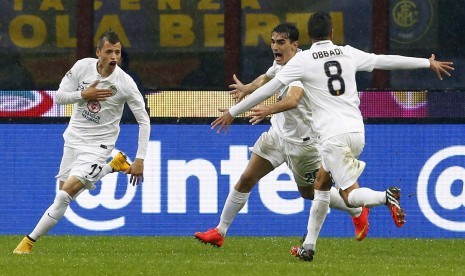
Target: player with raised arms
327, 72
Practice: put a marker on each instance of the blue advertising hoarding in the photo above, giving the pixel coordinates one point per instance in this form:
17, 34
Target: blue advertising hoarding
189, 170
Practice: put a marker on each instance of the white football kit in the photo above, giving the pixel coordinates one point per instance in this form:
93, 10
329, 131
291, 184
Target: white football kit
94, 125
291, 138
327, 72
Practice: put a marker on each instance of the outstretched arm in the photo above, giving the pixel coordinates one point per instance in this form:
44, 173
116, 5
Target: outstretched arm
440, 67
241, 90
394, 62
260, 112
263, 93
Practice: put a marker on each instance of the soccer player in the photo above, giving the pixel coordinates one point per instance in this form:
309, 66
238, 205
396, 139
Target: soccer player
98, 88
289, 140
327, 72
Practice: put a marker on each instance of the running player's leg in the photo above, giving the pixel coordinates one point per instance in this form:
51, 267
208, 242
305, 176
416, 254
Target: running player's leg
338, 165
58, 208
354, 195
304, 162
77, 170
236, 200
264, 159
319, 209
266, 156
257, 168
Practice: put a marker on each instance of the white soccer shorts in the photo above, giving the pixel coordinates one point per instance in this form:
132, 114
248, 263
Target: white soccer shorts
302, 159
339, 157
83, 162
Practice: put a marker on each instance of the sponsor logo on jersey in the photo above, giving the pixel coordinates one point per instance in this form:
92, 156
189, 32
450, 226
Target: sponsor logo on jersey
94, 106
113, 90
90, 114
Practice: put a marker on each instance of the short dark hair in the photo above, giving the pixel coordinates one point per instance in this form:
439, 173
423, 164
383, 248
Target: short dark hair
109, 36
287, 31
319, 26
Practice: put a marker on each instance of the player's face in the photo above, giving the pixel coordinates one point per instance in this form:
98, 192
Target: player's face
109, 56
283, 49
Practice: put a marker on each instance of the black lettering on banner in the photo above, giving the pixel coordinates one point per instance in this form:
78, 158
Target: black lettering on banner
334, 77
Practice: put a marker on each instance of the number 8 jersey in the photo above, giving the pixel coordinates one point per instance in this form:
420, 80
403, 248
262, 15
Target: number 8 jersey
327, 72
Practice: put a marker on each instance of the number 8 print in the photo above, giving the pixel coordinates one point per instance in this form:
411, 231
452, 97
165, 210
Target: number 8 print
334, 77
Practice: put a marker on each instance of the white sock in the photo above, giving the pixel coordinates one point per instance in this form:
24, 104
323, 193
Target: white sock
318, 212
368, 197
234, 203
106, 169
52, 215
337, 202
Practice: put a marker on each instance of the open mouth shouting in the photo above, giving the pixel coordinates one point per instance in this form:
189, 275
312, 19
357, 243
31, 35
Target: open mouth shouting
278, 57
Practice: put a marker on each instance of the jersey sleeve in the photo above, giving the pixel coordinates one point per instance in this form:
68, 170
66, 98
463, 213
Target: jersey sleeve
297, 84
68, 91
363, 60
256, 97
395, 62
136, 103
271, 72
292, 71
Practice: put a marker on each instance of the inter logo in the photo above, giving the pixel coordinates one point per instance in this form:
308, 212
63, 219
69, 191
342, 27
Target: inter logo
410, 20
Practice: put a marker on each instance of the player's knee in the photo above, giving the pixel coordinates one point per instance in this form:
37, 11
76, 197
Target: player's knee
307, 196
346, 201
345, 197
307, 192
62, 198
246, 183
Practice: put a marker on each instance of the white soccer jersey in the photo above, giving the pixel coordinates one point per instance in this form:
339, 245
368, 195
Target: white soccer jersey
295, 125
327, 72
97, 123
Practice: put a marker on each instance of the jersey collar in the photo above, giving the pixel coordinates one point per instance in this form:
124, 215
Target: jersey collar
323, 43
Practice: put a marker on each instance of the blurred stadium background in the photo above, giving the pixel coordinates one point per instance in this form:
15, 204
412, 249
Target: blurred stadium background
198, 45
184, 54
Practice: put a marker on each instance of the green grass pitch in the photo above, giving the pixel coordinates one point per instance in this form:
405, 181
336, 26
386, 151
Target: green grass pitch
121, 255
